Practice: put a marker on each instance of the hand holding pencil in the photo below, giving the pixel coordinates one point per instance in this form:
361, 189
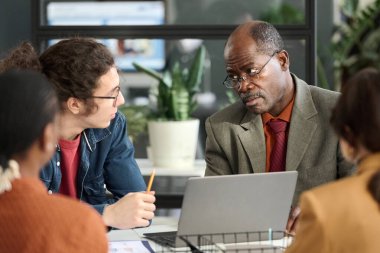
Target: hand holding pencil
135, 209
151, 180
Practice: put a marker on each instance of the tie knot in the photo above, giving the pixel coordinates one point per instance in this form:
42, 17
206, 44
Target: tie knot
277, 125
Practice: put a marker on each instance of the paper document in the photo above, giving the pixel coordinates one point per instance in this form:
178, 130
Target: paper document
130, 247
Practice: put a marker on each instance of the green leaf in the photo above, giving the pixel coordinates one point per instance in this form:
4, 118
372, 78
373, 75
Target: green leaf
167, 78
148, 71
137, 117
177, 81
176, 88
196, 69
152, 73
349, 7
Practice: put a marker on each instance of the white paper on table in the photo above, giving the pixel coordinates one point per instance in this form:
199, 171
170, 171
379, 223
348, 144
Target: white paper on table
130, 247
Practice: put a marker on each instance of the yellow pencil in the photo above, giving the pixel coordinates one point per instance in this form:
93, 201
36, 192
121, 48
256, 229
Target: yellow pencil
151, 180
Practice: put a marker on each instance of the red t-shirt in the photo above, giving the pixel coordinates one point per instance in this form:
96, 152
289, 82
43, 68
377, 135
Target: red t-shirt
70, 153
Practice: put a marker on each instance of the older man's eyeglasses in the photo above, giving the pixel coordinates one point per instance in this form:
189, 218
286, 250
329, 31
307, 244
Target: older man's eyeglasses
235, 82
116, 95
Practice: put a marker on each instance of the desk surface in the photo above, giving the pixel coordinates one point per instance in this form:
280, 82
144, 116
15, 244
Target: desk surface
159, 224
146, 167
163, 224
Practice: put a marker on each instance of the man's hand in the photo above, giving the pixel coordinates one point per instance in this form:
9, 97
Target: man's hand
292, 221
133, 210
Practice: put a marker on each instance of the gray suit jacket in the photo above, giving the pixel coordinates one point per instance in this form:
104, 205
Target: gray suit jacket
235, 141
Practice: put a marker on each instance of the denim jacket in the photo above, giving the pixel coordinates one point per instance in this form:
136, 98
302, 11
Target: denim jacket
107, 161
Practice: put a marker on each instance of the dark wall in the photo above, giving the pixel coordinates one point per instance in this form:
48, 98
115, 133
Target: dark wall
15, 24
324, 32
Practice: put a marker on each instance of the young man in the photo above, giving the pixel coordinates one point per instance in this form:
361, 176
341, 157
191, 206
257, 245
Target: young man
94, 152
281, 123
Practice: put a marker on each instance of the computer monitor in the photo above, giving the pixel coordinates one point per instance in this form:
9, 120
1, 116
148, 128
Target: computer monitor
147, 52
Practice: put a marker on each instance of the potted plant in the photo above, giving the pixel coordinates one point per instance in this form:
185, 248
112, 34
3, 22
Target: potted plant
356, 40
173, 133
137, 116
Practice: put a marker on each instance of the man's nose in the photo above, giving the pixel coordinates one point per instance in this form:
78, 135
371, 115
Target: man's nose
120, 99
244, 84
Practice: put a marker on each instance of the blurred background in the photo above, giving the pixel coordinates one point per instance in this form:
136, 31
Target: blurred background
327, 41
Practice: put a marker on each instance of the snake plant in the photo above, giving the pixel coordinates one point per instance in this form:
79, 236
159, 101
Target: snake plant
356, 41
177, 87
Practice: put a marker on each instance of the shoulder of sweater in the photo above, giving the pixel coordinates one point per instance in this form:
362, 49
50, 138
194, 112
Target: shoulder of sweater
71, 208
340, 189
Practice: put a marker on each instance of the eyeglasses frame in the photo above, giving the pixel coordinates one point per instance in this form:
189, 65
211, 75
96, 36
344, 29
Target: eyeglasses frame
110, 97
245, 77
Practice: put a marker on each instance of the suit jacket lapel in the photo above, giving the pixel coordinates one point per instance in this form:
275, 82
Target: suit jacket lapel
253, 141
302, 126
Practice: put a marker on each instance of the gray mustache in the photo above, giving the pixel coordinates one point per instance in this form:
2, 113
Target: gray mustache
247, 96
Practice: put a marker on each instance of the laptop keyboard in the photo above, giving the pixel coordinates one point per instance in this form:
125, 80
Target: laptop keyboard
163, 238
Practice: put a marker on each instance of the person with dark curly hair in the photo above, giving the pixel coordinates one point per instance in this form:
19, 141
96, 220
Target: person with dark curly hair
21, 58
94, 153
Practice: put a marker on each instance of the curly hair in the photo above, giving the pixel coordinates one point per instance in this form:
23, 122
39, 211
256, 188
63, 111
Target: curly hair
23, 57
74, 66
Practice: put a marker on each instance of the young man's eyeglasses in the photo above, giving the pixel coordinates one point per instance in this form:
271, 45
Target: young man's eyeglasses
235, 82
116, 92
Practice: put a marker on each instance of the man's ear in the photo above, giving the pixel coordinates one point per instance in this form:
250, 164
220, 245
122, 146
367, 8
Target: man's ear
283, 58
74, 105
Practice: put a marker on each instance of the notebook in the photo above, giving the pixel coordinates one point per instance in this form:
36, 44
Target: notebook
232, 204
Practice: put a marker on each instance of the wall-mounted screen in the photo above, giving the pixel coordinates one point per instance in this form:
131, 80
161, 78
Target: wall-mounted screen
148, 52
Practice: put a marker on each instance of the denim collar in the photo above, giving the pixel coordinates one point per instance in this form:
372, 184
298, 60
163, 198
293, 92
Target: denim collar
94, 135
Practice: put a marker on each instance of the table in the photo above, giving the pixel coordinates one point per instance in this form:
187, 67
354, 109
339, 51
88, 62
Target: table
159, 224
146, 167
133, 236
162, 224
169, 184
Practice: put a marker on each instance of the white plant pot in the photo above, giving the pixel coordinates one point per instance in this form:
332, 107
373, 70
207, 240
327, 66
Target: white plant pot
173, 143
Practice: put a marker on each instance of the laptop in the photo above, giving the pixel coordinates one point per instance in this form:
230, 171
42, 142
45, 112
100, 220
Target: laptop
231, 204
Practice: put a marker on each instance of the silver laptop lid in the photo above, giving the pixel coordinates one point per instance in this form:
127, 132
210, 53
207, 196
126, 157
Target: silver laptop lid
237, 203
